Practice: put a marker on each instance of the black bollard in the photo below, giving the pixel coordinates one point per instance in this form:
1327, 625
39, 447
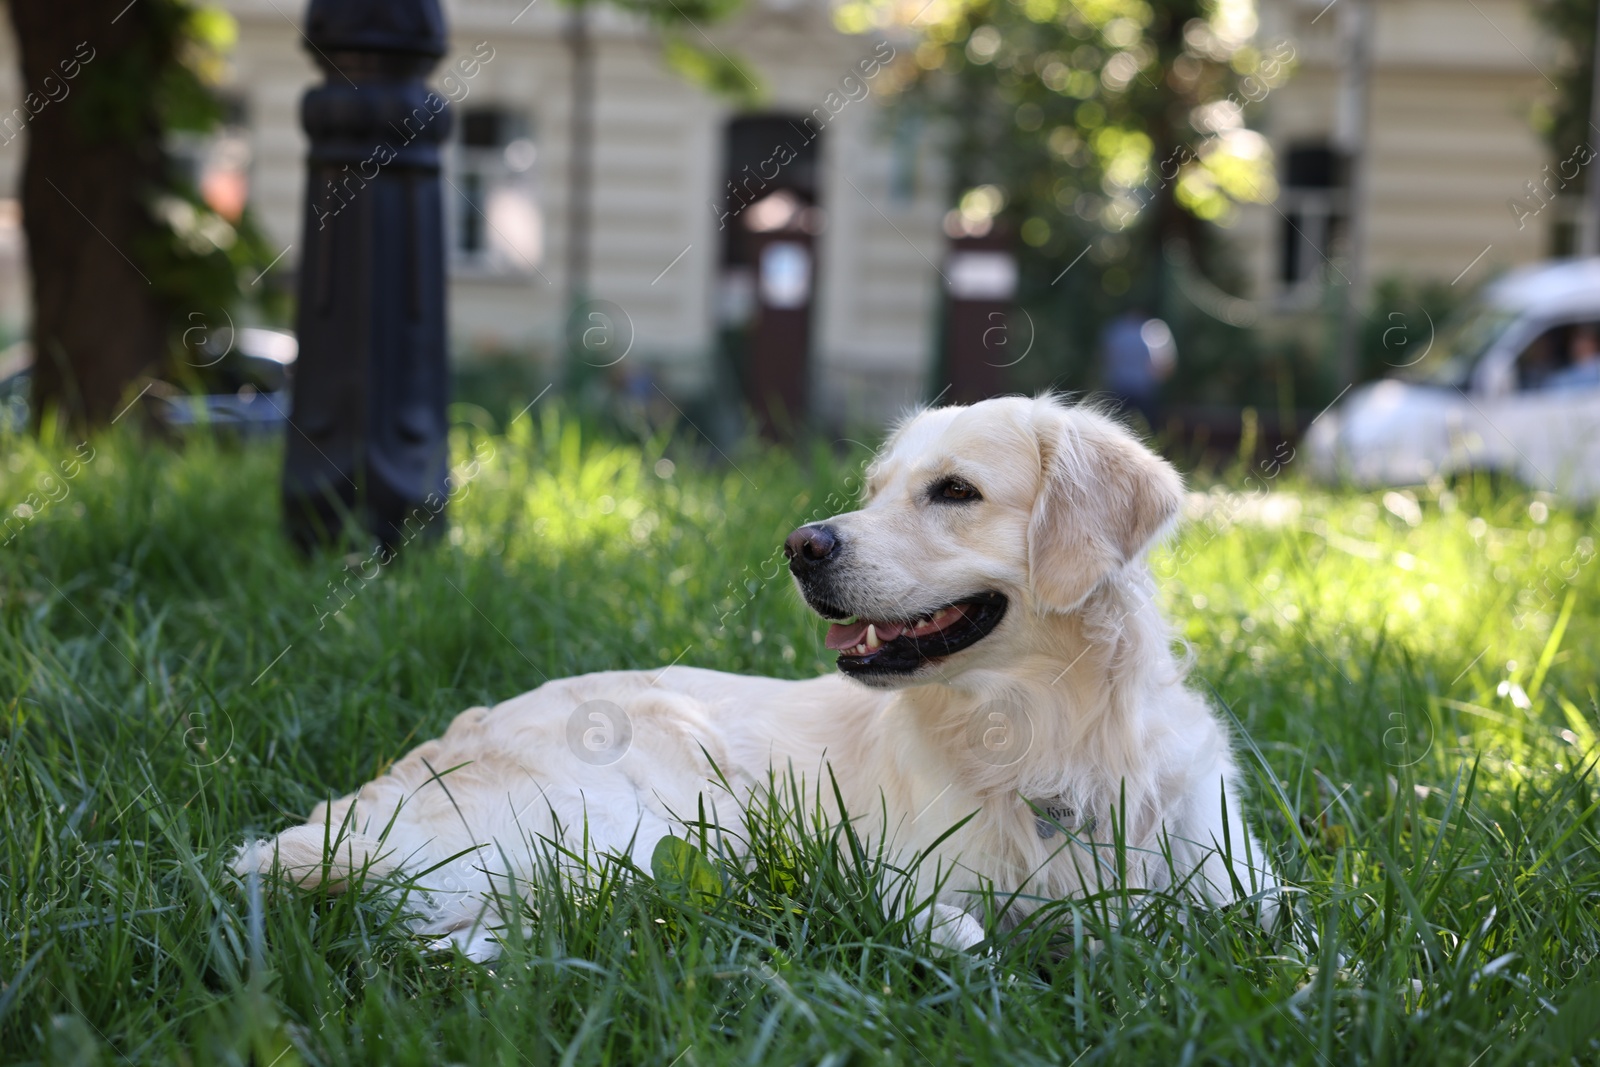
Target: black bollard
367, 441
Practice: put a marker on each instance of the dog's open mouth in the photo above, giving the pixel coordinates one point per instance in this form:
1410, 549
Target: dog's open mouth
901, 646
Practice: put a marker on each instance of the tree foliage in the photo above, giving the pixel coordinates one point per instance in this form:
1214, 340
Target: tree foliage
689, 53
195, 256
120, 242
1083, 110
1112, 126
1563, 117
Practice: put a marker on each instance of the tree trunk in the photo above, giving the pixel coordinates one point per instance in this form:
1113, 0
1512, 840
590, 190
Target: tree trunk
94, 154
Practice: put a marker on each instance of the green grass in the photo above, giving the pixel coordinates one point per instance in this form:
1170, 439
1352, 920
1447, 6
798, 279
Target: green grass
1416, 675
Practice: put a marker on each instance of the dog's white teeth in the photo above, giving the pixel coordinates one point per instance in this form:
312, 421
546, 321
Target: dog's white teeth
933, 623
860, 650
872, 637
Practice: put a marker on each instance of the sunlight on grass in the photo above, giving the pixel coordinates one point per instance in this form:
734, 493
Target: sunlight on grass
1414, 673
1479, 594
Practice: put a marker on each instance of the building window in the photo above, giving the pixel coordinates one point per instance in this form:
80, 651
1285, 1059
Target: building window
1313, 206
495, 223
904, 149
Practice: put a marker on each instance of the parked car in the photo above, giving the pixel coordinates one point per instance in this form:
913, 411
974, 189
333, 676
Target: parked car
242, 384
1511, 385
245, 387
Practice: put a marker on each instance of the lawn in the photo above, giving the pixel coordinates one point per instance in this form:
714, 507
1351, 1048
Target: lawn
1416, 674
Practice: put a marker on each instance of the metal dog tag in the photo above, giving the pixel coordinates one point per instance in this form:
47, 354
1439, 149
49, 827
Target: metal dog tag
1053, 814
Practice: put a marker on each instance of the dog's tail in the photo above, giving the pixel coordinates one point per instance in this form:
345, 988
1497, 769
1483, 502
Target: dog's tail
317, 855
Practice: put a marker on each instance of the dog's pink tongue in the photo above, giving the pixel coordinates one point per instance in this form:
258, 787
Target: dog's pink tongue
842, 635
848, 635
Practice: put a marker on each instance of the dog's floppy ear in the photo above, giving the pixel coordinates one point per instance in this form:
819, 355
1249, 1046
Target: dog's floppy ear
1103, 498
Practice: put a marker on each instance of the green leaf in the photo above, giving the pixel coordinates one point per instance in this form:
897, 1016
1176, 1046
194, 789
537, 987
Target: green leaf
713, 70
681, 870
213, 27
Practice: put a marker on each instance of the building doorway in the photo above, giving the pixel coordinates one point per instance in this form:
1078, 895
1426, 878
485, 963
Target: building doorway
769, 219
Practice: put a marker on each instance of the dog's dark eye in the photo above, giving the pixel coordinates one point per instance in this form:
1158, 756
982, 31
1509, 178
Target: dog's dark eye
954, 490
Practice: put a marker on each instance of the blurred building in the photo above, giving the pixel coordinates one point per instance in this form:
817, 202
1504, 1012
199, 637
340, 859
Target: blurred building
673, 165
1449, 152
1448, 140
666, 152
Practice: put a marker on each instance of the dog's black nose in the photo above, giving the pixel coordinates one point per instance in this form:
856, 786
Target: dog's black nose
809, 546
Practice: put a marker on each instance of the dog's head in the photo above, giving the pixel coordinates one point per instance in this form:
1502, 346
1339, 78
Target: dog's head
977, 524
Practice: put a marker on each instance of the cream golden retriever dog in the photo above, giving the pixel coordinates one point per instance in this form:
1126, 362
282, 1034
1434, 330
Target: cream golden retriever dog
1001, 661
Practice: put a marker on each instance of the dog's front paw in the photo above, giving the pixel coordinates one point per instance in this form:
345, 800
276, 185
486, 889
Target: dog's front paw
954, 929
476, 943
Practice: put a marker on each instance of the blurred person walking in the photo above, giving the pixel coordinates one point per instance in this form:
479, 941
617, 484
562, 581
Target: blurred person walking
1137, 354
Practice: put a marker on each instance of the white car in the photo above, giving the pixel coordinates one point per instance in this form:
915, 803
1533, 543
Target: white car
1511, 386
